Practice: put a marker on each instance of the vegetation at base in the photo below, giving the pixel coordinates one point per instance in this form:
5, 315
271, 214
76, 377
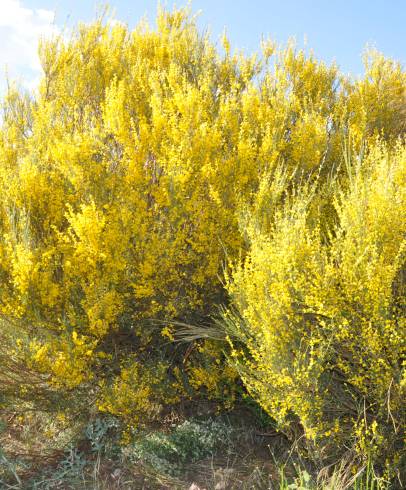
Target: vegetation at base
202, 266
210, 451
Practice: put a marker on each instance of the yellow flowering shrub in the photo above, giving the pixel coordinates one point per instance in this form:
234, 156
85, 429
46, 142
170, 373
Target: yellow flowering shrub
376, 103
209, 373
68, 360
318, 329
123, 174
139, 393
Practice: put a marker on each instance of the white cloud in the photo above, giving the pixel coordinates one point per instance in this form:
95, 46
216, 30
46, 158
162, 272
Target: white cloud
20, 30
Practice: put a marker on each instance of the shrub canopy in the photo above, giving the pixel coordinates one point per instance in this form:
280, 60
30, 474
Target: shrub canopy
149, 159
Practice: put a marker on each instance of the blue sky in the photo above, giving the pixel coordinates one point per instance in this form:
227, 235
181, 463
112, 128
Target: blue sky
336, 30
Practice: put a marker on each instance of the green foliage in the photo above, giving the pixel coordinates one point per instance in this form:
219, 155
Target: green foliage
186, 444
98, 433
301, 482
